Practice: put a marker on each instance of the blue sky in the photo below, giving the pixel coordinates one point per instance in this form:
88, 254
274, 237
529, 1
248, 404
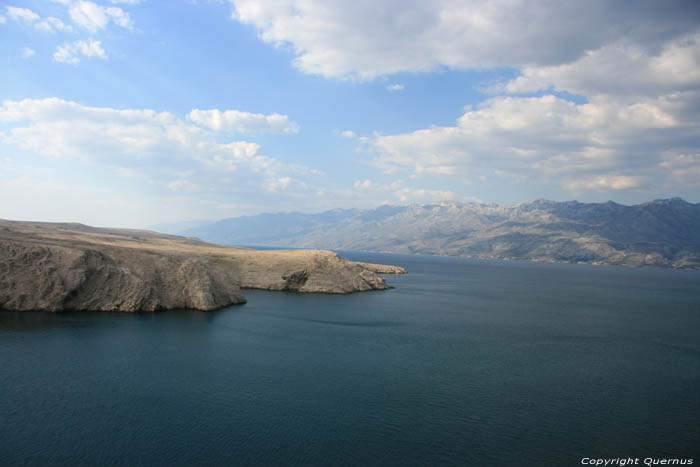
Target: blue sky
132, 113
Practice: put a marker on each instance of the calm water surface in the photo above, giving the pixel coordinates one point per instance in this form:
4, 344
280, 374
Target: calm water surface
465, 362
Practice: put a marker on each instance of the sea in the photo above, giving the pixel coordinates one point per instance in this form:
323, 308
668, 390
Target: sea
464, 362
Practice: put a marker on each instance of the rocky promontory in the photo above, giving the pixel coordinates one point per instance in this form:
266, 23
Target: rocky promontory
382, 268
57, 267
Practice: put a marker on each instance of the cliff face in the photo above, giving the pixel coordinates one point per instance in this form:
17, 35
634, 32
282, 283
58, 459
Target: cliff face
56, 267
305, 271
57, 278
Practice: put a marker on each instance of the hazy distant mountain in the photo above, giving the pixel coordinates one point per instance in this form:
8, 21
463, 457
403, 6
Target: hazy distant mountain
662, 232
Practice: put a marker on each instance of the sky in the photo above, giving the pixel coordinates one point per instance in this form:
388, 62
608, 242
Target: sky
130, 113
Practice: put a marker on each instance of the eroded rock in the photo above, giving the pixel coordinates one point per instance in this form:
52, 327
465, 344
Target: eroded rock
57, 267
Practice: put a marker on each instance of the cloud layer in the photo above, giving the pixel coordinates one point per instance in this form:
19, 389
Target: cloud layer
198, 165
621, 69
583, 99
157, 146
636, 72
600, 145
88, 17
368, 38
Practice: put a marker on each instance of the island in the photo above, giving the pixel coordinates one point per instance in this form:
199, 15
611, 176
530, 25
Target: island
74, 267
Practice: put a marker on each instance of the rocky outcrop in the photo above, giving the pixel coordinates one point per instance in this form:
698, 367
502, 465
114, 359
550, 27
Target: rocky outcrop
57, 267
58, 278
382, 268
314, 271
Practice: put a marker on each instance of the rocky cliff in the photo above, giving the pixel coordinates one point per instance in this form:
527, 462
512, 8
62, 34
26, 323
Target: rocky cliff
56, 267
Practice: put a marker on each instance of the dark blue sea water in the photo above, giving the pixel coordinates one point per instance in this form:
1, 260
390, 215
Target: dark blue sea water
465, 362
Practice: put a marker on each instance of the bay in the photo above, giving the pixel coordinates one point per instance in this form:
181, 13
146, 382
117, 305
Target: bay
464, 362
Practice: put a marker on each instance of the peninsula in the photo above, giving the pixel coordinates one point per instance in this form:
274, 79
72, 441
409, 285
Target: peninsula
61, 267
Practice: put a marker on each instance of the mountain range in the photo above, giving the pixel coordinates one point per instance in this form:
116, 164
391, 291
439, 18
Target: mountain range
662, 232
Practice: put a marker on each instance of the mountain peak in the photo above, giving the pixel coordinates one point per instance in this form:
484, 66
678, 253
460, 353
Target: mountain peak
676, 201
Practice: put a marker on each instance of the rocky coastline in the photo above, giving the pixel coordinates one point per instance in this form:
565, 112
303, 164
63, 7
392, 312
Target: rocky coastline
72, 267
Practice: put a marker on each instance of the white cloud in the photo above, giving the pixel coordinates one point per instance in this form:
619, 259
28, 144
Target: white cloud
348, 134
395, 87
3, 20
64, 129
88, 15
408, 195
397, 191
21, 14
27, 16
72, 52
120, 17
51, 24
604, 183
128, 2
94, 17
178, 155
621, 69
601, 145
684, 169
374, 38
27, 52
243, 122
276, 184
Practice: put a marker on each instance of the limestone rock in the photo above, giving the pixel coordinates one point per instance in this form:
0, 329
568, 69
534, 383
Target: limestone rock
382, 268
57, 267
